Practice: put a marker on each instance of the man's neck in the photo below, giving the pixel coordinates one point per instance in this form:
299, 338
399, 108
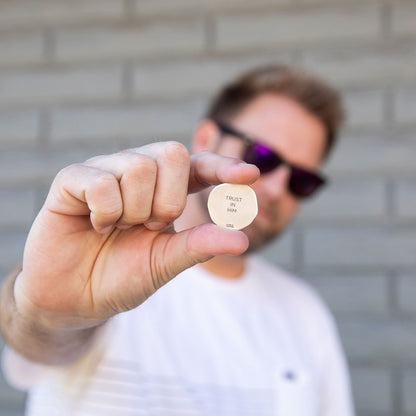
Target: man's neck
229, 267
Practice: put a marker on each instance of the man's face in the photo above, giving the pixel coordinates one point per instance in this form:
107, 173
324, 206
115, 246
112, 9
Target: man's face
293, 132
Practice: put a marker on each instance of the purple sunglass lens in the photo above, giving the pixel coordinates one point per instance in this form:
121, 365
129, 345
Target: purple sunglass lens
262, 156
304, 183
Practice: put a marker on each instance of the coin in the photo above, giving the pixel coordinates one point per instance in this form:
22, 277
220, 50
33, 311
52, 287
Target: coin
232, 206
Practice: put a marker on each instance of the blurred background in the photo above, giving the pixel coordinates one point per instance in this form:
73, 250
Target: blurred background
84, 77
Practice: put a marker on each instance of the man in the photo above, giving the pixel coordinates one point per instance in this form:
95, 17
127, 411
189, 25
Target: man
230, 336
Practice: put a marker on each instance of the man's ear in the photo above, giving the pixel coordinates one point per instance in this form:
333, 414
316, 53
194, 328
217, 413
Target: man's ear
206, 137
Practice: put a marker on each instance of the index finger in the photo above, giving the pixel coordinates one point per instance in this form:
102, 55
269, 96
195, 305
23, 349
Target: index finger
211, 169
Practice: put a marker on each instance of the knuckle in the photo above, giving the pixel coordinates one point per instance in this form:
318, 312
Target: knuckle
137, 166
176, 152
68, 170
104, 181
143, 166
92, 161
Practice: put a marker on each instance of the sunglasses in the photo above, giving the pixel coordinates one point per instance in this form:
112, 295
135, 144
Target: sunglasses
302, 182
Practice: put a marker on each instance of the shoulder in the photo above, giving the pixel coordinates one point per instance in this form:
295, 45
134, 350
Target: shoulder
285, 282
298, 297
304, 311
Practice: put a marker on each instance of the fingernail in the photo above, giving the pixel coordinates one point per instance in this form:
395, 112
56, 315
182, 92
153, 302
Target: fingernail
155, 226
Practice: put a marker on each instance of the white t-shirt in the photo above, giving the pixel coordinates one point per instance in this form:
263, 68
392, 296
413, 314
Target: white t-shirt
261, 345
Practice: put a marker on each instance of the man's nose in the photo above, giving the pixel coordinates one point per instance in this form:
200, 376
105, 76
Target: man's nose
275, 183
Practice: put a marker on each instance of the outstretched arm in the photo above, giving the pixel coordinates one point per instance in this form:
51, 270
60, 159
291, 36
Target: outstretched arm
104, 242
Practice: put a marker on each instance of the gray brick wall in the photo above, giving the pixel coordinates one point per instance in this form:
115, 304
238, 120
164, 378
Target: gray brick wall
82, 77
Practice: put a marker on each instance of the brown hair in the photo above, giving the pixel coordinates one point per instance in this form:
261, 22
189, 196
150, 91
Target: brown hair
314, 94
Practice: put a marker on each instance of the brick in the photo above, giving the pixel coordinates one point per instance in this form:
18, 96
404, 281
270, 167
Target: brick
375, 66
348, 199
363, 246
405, 106
17, 48
191, 77
298, 27
24, 167
11, 248
409, 388
30, 168
335, 2
49, 12
281, 251
373, 156
372, 391
406, 293
353, 293
17, 207
382, 341
181, 78
3, 273
364, 108
146, 8
403, 18
6, 412
60, 85
155, 39
18, 126
146, 122
406, 199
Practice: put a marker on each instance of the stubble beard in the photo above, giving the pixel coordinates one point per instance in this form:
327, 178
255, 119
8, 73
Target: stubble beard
259, 238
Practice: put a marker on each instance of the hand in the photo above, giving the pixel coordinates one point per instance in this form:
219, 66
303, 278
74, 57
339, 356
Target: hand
104, 242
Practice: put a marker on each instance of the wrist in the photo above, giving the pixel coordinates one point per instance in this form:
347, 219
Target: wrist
38, 318
37, 334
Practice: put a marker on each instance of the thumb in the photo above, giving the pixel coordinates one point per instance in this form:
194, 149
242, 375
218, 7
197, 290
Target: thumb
196, 245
